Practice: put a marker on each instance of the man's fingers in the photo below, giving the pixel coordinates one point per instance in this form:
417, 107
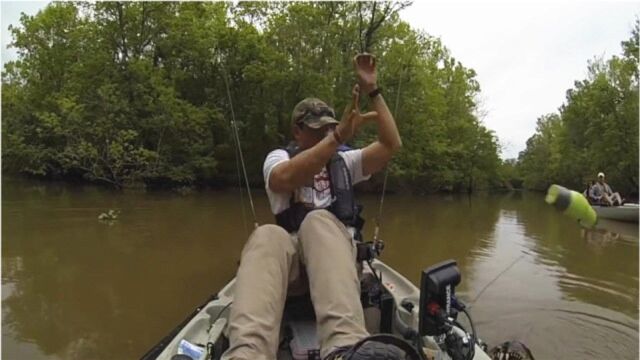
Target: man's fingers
357, 61
369, 116
372, 60
361, 119
355, 93
346, 112
364, 59
355, 97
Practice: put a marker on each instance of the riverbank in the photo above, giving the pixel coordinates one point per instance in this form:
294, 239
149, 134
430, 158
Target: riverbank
372, 186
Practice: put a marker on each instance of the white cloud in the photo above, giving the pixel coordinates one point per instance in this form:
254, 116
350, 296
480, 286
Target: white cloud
526, 55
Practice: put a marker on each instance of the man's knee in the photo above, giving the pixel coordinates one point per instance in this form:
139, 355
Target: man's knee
319, 221
317, 217
268, 238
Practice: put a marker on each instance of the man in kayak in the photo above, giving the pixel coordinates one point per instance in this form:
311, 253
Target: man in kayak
587, 190
310, 191
602, 194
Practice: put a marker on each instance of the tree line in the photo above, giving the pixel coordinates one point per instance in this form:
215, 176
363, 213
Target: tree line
127, 93
595, 130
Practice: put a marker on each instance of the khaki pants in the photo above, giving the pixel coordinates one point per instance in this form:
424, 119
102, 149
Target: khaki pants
274, 261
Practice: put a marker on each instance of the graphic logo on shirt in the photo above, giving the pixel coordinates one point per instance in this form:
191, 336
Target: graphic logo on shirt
321, 182
317, 196
317, 193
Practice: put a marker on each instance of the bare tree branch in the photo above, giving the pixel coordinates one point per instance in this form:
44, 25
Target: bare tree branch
377, 18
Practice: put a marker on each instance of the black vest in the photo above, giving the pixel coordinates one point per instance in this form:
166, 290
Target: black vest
343, 206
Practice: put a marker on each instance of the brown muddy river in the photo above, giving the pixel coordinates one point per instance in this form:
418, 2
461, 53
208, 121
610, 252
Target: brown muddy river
77, 288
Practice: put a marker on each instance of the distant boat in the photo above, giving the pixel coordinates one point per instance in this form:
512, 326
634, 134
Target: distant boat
626, 212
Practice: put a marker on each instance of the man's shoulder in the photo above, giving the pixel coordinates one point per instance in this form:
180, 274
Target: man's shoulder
351, 156
350, 152
273, 158
277, 153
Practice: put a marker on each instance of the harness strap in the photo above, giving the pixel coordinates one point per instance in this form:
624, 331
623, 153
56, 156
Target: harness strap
341, 188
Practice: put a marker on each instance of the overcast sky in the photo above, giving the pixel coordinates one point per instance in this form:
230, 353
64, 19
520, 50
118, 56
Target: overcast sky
10, 15
526, 54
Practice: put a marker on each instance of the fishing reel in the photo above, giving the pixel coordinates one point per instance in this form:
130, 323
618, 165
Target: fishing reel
439, 310
367, 251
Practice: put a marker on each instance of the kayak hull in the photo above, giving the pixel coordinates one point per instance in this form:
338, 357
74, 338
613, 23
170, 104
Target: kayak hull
626, 212
208, 325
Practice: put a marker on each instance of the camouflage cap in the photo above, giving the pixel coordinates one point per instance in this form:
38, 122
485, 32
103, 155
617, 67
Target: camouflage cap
314, 113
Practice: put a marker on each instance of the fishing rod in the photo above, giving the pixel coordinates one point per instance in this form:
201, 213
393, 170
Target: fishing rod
242, 205
236, 139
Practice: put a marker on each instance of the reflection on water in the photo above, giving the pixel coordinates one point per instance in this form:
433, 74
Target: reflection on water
76, 288
563, 296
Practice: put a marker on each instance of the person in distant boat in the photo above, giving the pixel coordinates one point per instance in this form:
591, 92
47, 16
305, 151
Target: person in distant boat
587, 190
310, 189
602, 194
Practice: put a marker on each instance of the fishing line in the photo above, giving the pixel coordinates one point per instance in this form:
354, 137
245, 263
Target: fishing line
376, 231
494, 280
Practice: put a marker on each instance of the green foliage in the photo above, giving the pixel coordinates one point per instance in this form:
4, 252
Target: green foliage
123, 92
510, 174
595, 130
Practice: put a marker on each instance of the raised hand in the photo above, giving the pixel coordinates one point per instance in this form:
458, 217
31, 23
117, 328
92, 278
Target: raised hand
352, 119
365, 67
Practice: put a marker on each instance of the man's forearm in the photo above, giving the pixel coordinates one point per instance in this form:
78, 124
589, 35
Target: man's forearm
388, 134
311, 161
301, 169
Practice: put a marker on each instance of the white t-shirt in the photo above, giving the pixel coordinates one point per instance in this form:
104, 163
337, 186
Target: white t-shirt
320, 194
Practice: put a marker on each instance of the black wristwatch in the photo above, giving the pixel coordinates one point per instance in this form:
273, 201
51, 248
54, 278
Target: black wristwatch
375, 92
